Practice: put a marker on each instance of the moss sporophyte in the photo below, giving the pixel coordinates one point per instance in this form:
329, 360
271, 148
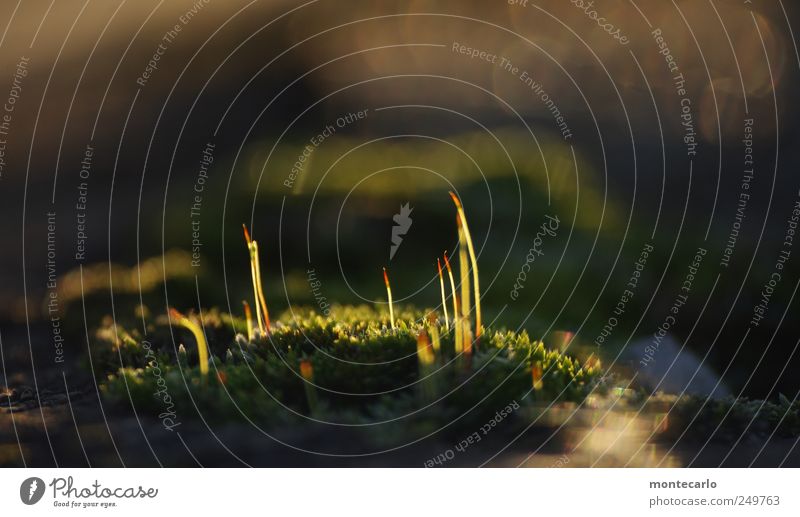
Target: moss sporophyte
444, 298
389, 296
453, 289
463, 226
262, 314
465, 296
202, 347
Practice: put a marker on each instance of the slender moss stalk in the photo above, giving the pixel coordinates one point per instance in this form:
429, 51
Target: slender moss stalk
467, 338
197, 332
264, 311
452, 286
457, 341
444, 298
473, 258
251, 249
465, 302
248, 316
389, 295
307, 373
262, 314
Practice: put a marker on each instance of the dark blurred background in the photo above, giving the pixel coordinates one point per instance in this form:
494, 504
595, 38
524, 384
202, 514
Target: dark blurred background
249, 84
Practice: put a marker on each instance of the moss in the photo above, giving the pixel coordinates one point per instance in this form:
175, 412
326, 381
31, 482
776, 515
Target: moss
363, 370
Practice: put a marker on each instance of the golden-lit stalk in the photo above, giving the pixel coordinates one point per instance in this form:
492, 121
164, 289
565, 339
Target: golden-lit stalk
457, 341
465, 302
248, 316
250, 249
474, 260
389, 295
197, 332
262, 314
444, 298
467, 338
261, 299
452, 286
463, 263
307, 373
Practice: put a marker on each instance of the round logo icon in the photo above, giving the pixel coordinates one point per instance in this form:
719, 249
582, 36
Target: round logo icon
31, 490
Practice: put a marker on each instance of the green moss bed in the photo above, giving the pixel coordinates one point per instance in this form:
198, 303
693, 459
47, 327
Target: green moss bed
363, 371
366, 373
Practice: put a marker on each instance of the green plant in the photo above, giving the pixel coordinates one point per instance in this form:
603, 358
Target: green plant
464, 321
444, 298
351, 368
262, 314
452, 284
389, 296
464, 227
202, 347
